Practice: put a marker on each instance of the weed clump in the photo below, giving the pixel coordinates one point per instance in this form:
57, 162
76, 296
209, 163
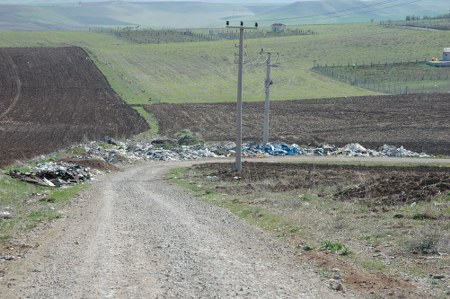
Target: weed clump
186, 137
422, 242
337, 248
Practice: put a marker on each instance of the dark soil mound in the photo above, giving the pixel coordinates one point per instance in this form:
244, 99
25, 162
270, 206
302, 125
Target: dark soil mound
54, 97
374, 185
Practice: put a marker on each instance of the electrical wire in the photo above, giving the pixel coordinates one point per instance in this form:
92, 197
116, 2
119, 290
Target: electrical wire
254, 62
368, 11
355, 10
276, 59
345, 12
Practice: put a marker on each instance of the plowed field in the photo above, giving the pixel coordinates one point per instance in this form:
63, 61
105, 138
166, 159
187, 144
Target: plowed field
380, 185
54, 97
418, 122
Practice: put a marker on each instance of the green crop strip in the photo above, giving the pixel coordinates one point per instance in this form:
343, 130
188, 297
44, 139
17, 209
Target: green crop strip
205, 71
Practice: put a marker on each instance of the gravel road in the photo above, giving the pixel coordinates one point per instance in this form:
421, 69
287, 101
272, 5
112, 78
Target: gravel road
133, 235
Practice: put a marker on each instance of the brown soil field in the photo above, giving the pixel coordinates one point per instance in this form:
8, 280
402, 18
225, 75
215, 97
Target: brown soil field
418, 122
379, 185
394, 219
54, 97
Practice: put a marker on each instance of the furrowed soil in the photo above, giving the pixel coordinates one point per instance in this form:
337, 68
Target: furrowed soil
381, 185
417, 122
54, 97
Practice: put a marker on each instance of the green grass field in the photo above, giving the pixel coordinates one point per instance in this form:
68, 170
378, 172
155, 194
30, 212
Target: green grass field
392, 78
442, 23
206, 72
30, 204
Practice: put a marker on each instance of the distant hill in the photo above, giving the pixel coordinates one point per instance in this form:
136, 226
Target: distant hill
71, 15
348, 11
76, 1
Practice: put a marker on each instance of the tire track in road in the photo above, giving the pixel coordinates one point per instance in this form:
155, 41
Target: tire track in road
18, 93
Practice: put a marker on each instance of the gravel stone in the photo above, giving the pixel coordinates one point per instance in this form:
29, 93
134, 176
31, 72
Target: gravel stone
137, 236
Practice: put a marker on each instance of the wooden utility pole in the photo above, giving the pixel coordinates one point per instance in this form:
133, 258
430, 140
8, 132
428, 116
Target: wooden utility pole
239, 93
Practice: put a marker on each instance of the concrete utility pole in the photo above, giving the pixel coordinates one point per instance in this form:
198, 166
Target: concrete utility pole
239, 94
267, 84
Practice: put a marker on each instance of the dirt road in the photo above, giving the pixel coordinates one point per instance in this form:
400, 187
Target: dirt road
136, 236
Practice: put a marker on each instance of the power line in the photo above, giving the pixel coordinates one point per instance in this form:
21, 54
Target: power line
368, 11
345, 12
354, 10
337, 13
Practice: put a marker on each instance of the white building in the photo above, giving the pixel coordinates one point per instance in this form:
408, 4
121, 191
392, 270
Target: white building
446, 56
278, 27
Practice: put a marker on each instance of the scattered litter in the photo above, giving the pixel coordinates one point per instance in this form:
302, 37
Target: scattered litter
393, 151
5, 215
54, 174
352, 149
7, 257
335, 285
57, 174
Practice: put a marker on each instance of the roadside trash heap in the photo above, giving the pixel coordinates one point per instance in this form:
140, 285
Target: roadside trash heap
54, 174
58, 174
129, 151
169, 150
351, 150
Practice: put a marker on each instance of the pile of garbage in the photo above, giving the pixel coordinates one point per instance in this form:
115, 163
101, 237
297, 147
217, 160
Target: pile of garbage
352, 150
393, 151
115, 152
164, 149
356, 149
54, 174
130, 151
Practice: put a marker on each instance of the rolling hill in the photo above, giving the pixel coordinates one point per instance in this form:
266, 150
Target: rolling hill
348, 11
71, 15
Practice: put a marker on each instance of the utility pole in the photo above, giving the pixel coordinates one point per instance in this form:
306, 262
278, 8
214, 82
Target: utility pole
267, 84
241, 28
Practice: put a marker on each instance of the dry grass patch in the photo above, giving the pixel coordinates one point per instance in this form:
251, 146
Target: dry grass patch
396, 237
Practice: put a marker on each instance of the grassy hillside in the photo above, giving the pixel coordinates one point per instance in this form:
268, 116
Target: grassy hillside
205, 71
117, 13
192, 14
348, 11
394, 78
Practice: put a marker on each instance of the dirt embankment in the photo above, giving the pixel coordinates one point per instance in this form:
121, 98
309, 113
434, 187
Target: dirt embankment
55, 97
418, 122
